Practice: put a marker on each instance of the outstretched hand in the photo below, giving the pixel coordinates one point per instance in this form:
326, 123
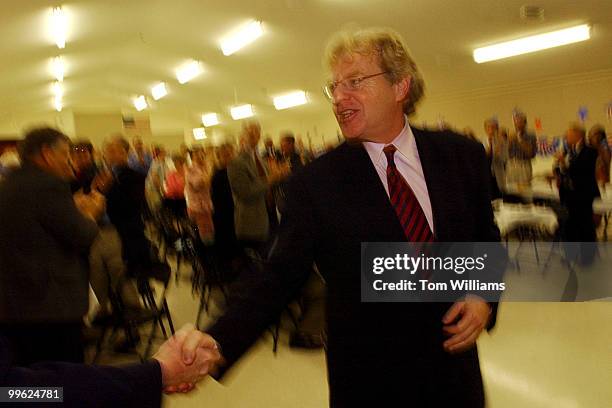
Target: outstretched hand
186, 358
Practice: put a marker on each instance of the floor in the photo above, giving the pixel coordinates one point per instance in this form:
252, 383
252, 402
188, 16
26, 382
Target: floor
545, 354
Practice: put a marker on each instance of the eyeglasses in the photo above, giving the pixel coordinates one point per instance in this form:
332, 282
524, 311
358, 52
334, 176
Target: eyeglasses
349, 84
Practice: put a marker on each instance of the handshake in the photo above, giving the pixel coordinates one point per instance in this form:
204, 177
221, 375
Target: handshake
186, 358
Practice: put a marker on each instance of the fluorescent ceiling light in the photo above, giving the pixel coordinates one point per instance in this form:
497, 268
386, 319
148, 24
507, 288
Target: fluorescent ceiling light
188, 71
140, 103
533, 43
199, 133
241, 38
59, 25
290, 100
159, 91
210, 119
57, 103
242, 112
57, 89
58, 68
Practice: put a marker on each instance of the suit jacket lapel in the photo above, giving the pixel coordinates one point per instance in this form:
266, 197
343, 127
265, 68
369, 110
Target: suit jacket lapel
364, 186
434, 180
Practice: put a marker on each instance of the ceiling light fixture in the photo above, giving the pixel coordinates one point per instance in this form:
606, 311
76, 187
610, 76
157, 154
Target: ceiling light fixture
242, 112
140, 103
57, 103
58, 68
290, 100
210, 119
159, 91
189, 71
533, 43
199, 133
58, 26
242, 37
57, 89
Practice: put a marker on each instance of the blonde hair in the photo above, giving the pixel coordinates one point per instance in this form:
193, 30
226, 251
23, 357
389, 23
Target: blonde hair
393, 56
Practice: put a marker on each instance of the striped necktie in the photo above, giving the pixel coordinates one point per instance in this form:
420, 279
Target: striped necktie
407, 207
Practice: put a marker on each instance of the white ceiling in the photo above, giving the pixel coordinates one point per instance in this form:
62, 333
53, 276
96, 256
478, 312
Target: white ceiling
117, 49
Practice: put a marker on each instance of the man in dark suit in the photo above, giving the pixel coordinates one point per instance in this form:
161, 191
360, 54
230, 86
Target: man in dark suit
45, 235
125, 195
378, 354
578, 185
179, 363
223, 205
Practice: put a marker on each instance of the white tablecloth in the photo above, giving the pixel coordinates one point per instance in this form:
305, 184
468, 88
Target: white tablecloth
511, 216
537, 190
603, 205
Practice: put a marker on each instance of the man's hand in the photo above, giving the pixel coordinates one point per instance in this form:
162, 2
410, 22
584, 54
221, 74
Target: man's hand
473, 314
278, 171
186, 358
103, 181
91, 205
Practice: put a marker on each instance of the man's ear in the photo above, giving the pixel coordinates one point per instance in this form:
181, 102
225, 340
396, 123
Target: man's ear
402, 89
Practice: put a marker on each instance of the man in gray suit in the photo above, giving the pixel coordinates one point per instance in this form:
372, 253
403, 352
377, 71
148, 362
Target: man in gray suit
45, 235
251, 180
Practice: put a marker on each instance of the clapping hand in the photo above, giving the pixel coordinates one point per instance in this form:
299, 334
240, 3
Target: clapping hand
278, 171
186, 358
91, 205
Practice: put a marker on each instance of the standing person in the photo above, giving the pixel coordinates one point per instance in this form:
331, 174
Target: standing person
497, 153
578, 186
522, 148
270, 153
599, 141
223, 205
85, 168
124, 188
45, 236
197, 194
397, 354
154, 183
174, 191
140, 158
288, 153
254, 207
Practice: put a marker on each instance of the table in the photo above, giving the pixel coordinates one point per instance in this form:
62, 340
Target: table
536, 191
509, 217
603, 206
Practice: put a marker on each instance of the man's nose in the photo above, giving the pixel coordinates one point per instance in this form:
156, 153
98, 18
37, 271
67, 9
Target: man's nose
339, 94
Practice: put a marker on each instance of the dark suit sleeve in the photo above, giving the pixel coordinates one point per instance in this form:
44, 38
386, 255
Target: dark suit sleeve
126, 198
137, 385
488, 230
262, 294
59, 215
582, 174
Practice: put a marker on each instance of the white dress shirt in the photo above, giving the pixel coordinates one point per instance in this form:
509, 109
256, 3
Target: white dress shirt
408, 164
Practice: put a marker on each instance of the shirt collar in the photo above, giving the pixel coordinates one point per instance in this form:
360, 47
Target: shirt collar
404, 143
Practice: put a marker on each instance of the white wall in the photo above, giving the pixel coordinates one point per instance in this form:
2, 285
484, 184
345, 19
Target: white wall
14, 126
555, 101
